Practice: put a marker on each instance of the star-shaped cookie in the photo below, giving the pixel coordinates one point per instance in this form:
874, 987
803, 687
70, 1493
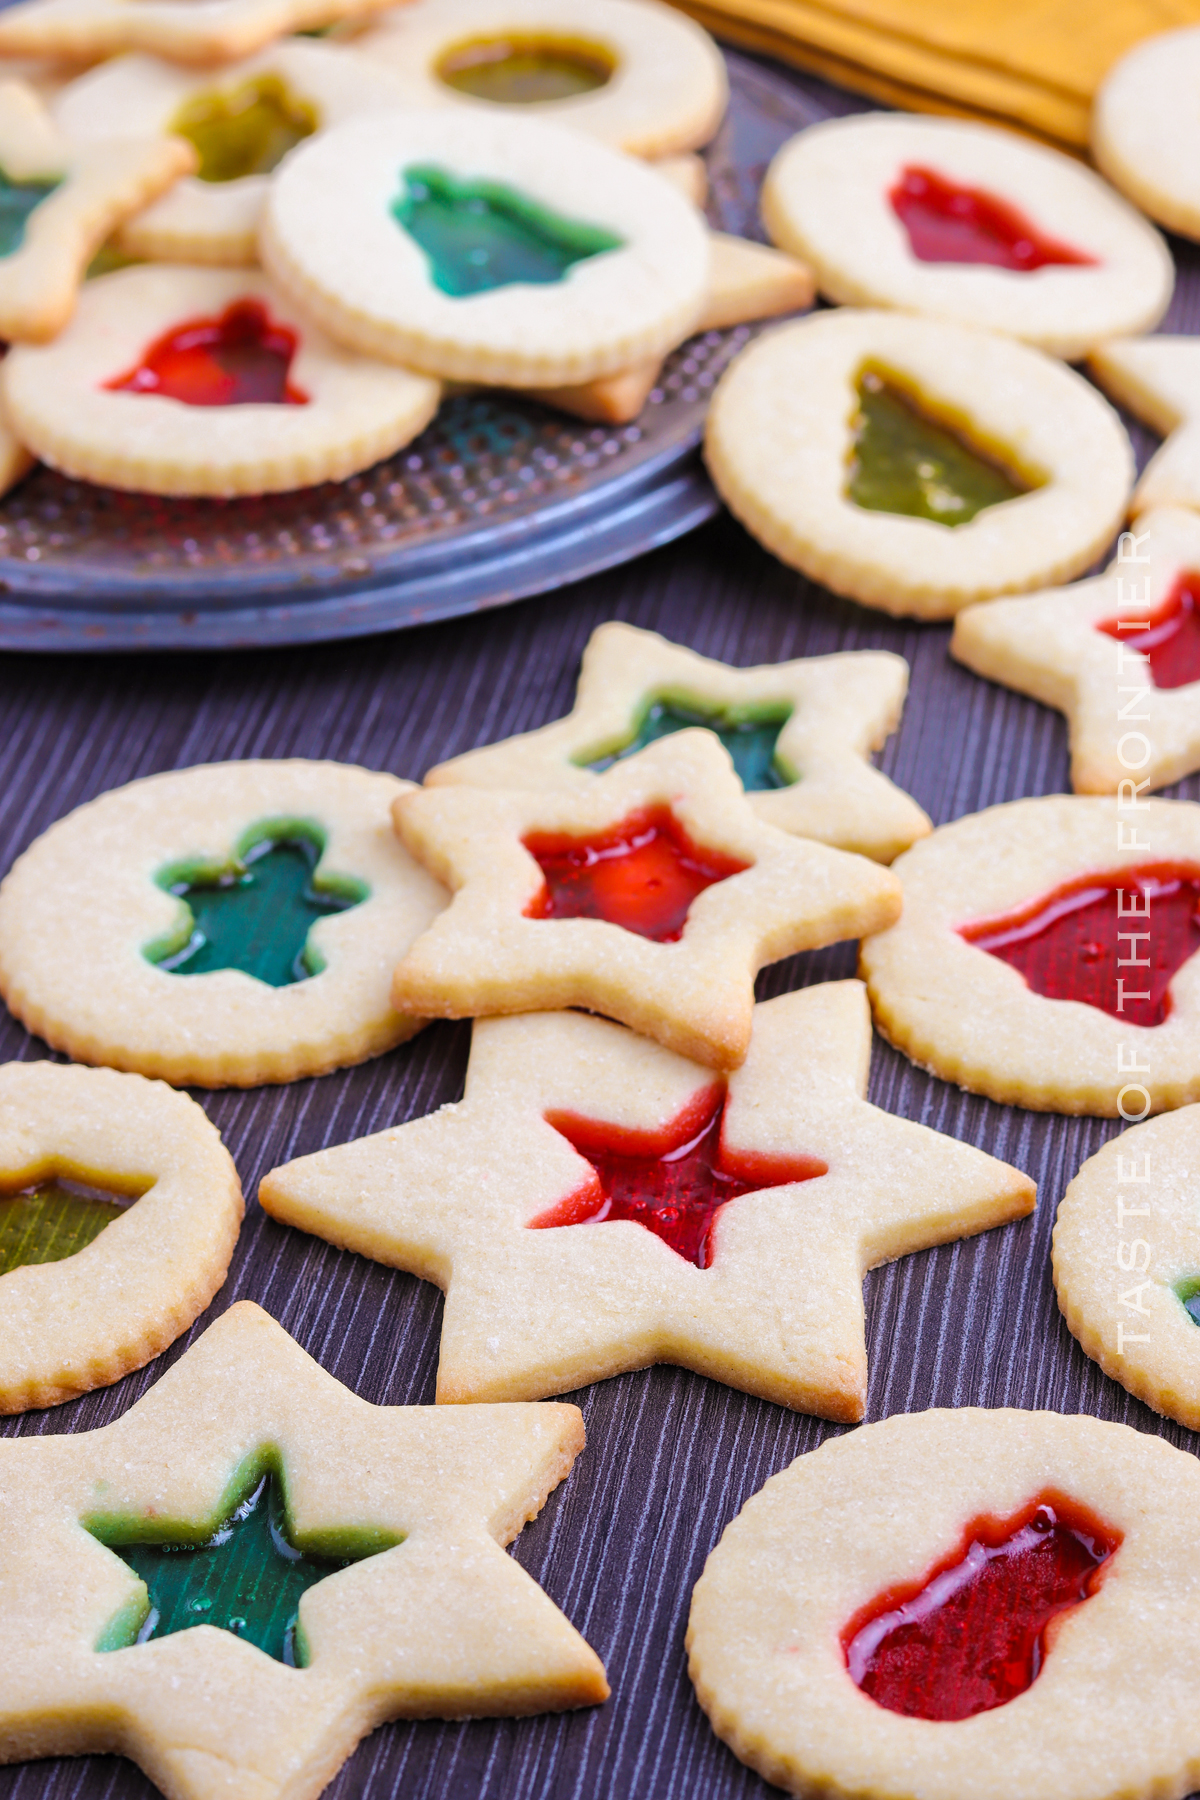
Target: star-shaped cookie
823, 715
398, 1512
596, 1204
1124, 645
61, 201
1158, 380
653, 895
186, 31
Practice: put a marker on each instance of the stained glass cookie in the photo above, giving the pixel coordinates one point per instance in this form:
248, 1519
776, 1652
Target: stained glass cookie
1158, 380
119, 1211
915, 465
964, 1605
654, 896
596, 1203
636, 75
1145, 129
186, 31
241, 121
59, 201
1123, 645
967, 223
484, 248
227, 925
252, 1569
1046, 954
179, 380
799, 734
1127, 1262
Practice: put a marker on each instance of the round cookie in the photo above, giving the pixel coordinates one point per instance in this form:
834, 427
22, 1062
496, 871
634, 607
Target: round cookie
870, 1515
100, 402
636, 75
1072, 895
1127, 1262
483, 247
79, 1147
278, 962
828, 199
1146, 128
241, 120
796, 417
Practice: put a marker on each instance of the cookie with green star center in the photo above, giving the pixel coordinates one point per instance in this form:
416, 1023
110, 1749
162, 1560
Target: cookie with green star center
223, 926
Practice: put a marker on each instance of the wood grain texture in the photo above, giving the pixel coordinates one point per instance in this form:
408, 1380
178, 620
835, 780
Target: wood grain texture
671, 1457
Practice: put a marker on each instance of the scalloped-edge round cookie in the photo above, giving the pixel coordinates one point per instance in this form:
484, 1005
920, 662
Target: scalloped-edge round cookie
356, 410
1146, 128
1113, 1713
1127, 1258
666, 93
781, 436
968, 1016
205, 221
83, 905
331, 238
84, 1321
825, 199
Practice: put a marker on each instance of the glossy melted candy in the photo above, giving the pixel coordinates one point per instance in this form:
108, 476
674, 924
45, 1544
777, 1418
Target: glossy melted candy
246, 1577
255, 915
750, 738
521, 71
1111, 941
480, 235
245, 130
241, 358
17, 201
642, 875
52, 1220
947, 223
907, 460
1169, 637
1188, 1293
972, 1635
673, 1182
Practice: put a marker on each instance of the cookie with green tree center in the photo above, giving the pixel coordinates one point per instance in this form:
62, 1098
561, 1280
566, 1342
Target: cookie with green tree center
229, 924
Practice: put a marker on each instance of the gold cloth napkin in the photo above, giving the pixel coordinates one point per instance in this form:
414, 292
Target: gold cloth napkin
1030, 63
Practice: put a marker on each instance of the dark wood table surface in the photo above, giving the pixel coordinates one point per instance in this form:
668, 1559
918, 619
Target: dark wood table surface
671, 1457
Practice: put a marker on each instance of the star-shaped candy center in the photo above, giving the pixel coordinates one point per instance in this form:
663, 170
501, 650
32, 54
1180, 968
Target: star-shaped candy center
246, 1577
949, 223
241, 358
1169, 638
1112, 941
642, 874
254, 914
750, 735
673, 1182
245, 130
53, 1219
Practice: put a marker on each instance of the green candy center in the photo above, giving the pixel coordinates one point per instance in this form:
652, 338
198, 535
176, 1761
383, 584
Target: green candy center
749, 735
17, 200
246, 130
522, 71
1189, 1293
480, 235
255, 912
246, 1576
52, 1220
909, 460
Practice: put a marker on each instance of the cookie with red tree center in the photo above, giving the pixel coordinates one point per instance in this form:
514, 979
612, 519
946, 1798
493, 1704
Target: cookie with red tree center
1047, 953
969, 223
1145, 133
241, 120
1127, 640
638, 76
252, 1569
482, 248
966, 1605
1158, 380
174, 380
654, 896
596, 1203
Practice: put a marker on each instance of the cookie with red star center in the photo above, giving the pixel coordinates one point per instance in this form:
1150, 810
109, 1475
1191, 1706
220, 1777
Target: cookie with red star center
596, 1203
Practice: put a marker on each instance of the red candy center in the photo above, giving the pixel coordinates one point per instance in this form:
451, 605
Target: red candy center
1112, 941
1170, 637
674, 1182
947, 223
972, 1635
642, 875
239, 359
